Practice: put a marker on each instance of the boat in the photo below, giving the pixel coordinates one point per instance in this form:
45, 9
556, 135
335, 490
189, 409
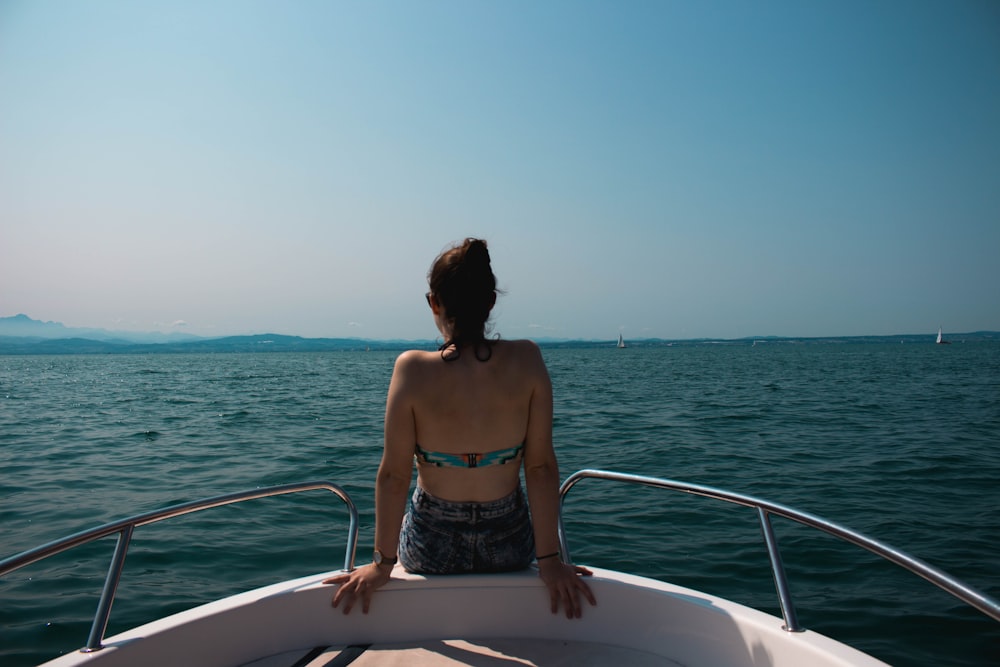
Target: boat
621, 341
940, 338
483, 620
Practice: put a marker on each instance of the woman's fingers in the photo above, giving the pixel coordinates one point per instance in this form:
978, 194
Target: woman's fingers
573, 605
582, 586
360, 583
344, 594
366, 600
571, 601
566, 587
554, 596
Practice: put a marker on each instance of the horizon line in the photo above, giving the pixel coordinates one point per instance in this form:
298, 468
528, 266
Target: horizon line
84, 333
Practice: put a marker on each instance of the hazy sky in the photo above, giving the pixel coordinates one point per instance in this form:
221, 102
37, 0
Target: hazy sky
664, 169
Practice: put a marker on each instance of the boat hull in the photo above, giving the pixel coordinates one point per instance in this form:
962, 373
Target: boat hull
665, 623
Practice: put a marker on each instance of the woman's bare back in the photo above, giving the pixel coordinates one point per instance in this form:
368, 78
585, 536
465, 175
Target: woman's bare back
467, 406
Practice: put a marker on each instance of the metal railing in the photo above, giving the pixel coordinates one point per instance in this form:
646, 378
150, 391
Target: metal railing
765, 509
126, 527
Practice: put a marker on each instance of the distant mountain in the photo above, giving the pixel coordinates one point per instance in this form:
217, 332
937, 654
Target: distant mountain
272, 343
22, 326
261, 343
22, 335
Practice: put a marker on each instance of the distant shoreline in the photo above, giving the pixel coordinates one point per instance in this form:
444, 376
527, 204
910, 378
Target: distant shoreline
274, 343
22, 335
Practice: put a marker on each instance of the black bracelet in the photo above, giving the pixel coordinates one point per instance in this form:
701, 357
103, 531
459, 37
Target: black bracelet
551, 555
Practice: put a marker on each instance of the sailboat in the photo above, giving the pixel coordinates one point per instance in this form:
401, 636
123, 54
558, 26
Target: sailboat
621, 340
941, 340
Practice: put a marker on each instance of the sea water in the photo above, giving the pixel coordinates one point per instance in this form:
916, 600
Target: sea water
900, 442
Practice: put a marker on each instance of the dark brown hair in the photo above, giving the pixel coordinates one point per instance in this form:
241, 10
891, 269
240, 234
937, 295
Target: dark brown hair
462, 281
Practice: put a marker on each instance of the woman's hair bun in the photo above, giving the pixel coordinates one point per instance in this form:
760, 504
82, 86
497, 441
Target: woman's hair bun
462, 280
476, 251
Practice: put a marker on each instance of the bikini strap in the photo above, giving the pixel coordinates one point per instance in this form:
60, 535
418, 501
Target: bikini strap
475, 460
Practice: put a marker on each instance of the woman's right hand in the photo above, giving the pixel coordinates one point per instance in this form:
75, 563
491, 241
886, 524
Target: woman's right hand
361, 583
566, 585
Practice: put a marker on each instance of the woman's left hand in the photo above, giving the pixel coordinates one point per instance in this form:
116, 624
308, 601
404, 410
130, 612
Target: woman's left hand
565, 586
361, 583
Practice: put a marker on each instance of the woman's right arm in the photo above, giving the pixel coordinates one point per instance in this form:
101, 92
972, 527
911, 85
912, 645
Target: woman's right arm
392, 484
396, 470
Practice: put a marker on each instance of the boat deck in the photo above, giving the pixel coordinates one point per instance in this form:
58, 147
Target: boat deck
482, 653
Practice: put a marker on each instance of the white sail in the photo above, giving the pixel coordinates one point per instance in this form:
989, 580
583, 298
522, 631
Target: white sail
621, 341
940, 336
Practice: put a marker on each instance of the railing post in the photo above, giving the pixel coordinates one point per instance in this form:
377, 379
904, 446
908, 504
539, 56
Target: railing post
561, 529
95, 642
352, 534
778, 570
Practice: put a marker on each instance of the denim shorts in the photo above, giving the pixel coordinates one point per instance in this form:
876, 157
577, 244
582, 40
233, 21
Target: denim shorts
446, 537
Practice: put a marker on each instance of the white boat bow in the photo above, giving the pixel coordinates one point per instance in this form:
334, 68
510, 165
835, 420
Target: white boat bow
495, 620
470, 620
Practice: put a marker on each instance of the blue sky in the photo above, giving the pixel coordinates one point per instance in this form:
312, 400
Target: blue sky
664, 169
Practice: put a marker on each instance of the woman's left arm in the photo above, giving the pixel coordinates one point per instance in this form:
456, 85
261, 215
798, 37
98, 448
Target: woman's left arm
541, 476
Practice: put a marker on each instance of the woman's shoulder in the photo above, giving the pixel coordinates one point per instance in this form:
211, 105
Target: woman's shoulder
518, 352
415, 358
521, 346
523, 353
414, 368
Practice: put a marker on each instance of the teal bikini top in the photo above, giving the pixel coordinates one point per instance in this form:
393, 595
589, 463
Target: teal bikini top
442, 460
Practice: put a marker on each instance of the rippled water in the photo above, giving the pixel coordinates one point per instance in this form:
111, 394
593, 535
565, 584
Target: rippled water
901, 442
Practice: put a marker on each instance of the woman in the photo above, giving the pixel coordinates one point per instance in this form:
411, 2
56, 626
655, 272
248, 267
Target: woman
470, 415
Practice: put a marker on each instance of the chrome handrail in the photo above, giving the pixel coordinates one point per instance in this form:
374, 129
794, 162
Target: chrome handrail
765, 508
126, 527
